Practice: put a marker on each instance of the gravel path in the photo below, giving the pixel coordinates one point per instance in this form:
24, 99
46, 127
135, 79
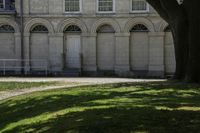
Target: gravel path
80, 81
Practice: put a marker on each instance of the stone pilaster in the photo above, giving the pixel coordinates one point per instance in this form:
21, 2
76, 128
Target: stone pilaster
156, 54
18, 50
27, 51
26, 6
122, 66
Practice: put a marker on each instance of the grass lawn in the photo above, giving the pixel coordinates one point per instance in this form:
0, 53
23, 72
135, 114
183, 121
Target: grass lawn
116, 108
8, 86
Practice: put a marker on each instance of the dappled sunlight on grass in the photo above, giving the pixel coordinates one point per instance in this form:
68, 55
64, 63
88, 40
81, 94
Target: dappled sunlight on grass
115, 108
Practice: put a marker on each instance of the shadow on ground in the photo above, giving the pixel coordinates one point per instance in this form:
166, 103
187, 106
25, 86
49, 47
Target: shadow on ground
116, 108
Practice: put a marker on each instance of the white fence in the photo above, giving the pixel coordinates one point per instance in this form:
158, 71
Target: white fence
16, 65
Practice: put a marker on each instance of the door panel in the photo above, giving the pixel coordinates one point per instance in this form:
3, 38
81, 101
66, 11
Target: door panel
139, 51
73, 50
105, 51
39, 50
7, 49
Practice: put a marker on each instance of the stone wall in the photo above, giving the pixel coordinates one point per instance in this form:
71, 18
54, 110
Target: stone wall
154, 57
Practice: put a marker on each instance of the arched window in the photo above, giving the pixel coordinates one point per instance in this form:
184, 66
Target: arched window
72, 28
139, 28
106, 29
39, 29
167, 29
6, 29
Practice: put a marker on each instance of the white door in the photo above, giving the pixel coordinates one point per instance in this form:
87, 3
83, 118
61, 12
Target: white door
139, 51
7, 49
39, 51
105, 51
73, 51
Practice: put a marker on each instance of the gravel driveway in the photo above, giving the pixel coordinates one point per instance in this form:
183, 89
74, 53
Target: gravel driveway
80, 80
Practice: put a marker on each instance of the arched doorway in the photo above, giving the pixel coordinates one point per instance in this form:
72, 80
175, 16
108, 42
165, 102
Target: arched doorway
72, 47
139, 48
105, 48
39, 48
7, 46
170, 63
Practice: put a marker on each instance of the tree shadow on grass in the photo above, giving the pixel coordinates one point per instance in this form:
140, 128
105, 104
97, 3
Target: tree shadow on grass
119, 120
137, 112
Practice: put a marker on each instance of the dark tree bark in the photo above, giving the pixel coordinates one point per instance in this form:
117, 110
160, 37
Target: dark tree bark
193, 70
185, 26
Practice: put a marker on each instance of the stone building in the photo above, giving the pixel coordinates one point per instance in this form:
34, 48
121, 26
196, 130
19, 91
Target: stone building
94, 37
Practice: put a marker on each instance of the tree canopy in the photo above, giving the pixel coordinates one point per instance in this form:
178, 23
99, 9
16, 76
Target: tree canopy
184, 21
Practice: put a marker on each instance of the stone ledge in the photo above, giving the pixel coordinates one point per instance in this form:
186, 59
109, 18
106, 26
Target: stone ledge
7, 12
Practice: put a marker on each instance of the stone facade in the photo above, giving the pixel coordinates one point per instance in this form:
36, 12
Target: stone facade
94, 51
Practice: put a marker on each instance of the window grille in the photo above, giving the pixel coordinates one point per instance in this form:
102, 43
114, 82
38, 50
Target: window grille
2, 4
139, 28
39, 29
72, 5
12, 5
139, 5
7, 4
105, 5
106, 29
6, 29
72, 28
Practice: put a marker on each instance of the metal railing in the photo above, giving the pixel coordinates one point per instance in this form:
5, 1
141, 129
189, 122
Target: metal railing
16, 65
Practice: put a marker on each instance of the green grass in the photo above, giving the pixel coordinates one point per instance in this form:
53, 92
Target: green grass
7, 86
116, 108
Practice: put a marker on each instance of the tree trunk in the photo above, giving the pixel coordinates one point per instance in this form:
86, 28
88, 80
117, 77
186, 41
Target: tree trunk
180, 35
193, 68
176, 17
185, 24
